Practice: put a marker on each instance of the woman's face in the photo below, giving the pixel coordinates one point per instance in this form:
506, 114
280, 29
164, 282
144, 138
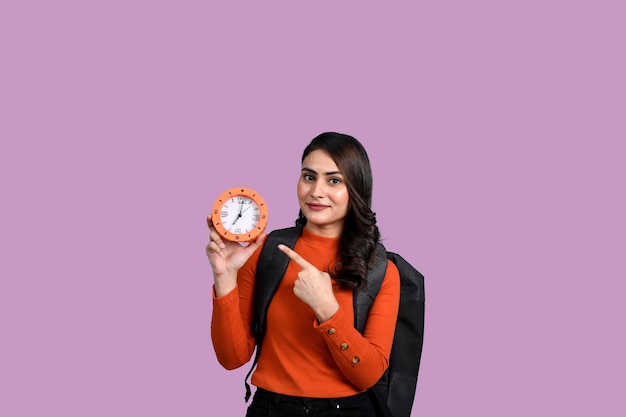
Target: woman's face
323, 194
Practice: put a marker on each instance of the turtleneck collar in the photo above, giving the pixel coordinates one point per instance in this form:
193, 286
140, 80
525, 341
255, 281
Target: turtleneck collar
317, 240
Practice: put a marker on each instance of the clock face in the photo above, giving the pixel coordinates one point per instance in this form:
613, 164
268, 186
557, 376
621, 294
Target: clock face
240, 215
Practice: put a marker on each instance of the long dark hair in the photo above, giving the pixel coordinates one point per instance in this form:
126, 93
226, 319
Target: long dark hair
360, 234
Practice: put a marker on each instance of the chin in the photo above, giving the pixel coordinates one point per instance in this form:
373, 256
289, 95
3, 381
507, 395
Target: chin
319, 222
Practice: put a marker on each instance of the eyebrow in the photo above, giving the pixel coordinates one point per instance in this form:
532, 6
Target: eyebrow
326, 173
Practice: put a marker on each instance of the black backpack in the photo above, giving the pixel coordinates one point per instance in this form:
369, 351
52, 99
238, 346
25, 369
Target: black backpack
394, 393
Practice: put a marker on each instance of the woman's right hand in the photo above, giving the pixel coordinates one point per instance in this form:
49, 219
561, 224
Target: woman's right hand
227, 258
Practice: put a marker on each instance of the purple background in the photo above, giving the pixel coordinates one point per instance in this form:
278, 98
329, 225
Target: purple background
496, 131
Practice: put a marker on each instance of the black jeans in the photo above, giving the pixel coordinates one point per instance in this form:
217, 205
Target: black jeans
269, 404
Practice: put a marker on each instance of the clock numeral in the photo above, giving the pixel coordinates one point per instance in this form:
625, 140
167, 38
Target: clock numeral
238, 231
224, 213
255, 217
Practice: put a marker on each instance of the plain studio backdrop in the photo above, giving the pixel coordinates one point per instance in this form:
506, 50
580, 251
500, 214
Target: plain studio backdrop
496, 132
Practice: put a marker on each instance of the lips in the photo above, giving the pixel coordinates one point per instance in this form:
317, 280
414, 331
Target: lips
316, 207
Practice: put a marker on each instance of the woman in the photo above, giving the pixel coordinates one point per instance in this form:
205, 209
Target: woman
313, 362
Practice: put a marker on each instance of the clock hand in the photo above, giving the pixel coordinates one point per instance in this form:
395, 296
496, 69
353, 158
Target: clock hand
240, 212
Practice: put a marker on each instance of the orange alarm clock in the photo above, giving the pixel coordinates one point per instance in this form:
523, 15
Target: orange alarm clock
239, 214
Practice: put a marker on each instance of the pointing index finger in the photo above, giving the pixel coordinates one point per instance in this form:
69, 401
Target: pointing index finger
303, 263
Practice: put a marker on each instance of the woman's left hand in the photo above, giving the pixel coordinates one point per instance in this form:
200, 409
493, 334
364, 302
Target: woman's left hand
313, 287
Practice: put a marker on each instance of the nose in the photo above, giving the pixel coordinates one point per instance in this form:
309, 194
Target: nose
319, 189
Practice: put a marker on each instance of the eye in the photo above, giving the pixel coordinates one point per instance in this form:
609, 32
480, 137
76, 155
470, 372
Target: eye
308, 177
334, 181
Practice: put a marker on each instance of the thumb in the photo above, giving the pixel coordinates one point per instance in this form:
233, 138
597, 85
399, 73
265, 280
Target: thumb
258, 242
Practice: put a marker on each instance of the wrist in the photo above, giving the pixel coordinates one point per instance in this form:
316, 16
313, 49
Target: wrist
327, 311
224, 284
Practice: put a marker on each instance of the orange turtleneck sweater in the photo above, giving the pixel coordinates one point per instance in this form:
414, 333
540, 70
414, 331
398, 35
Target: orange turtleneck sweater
300, 356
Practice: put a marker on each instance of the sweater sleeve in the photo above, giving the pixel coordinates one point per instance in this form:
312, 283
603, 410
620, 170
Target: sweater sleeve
364, 358
231, 332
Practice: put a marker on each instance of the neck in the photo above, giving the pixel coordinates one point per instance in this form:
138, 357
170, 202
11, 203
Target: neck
325, 231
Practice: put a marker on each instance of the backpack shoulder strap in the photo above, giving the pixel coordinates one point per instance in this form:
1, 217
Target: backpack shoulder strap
270, 269
269, 272
363, 299
364, 296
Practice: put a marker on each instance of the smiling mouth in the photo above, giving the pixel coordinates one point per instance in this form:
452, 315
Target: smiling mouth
316, 207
